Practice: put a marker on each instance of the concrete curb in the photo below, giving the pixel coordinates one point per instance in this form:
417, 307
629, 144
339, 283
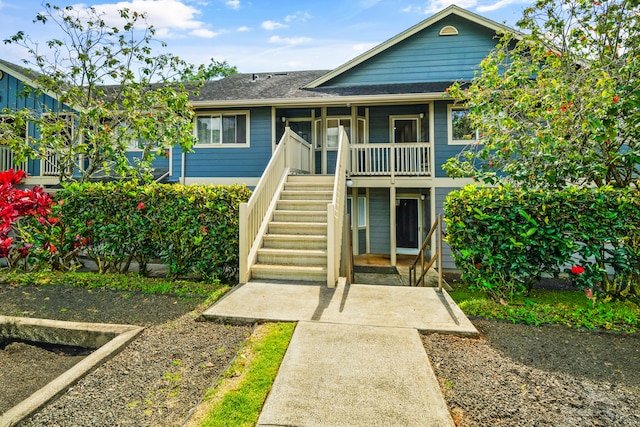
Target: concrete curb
107, 338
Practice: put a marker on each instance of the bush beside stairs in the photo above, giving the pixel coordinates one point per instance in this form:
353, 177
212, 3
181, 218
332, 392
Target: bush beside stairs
294, 247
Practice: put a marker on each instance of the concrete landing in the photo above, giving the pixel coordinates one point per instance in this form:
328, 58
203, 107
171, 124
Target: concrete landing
353, 375
424, 309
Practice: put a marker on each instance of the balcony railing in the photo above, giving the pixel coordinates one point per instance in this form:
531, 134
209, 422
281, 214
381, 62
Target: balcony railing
399, 159
7, 161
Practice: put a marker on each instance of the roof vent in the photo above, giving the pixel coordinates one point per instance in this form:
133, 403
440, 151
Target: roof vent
255, 77
449, 30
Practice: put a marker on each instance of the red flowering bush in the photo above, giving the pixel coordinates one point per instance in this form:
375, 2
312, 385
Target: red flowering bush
17, 208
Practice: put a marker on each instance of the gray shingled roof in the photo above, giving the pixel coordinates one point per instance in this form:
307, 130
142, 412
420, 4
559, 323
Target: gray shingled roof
289, 85
27, 72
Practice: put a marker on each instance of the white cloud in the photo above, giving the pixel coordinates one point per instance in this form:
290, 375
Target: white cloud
298, 16
203, 33
363, 47
273, 25
168, 17
233, 4
243, 29
292, 41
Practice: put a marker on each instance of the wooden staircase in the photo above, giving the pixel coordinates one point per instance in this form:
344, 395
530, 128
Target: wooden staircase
294, 246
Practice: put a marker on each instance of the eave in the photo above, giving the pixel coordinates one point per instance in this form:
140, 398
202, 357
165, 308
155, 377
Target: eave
324, 101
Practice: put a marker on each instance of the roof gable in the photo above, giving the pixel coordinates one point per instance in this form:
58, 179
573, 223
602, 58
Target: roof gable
395, 60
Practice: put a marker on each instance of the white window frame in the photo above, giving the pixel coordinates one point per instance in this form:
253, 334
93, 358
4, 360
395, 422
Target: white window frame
392, 127
326, 129
451, 141
221, 114
362, 211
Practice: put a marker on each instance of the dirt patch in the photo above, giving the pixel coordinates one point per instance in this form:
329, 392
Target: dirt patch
20, 360
518, 375
156, 380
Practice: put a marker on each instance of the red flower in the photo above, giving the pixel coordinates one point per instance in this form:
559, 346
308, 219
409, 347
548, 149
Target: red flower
576, 269
140, 206
616, 98
203, 229
52, 248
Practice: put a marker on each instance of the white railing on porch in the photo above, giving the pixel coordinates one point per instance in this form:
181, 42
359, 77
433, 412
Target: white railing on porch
7, 161
255, 214
49, 166
398, 159
336, 211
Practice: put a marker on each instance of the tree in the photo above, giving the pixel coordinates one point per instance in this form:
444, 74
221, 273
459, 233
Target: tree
560, 104
113, 93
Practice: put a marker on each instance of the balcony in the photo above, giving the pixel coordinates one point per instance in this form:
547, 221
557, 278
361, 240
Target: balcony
391, 160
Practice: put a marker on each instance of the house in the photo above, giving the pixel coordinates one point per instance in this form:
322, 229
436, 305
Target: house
379, 123
389, 101
13, 81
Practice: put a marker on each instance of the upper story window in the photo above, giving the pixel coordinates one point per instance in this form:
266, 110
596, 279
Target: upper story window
223, 128
461, 130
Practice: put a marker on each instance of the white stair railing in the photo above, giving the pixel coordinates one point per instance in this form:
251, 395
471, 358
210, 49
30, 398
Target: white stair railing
256, 213
336, 211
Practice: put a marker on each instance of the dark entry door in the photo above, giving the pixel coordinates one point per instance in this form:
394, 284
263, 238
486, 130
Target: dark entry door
407, 223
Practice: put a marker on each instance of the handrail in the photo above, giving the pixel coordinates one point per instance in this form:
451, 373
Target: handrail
391, 159
437, 256
255, 214
336, 210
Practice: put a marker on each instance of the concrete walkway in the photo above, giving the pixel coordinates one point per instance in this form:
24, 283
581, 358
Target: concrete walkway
356, 357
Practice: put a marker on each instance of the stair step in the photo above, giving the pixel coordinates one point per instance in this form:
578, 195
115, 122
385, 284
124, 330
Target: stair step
300, 216
291, 273
288, 241
325, 179
302, 257
306, 195
298, 228
302, 205
308, 186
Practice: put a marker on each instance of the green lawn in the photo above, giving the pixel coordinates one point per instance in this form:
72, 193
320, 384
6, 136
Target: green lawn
571, 308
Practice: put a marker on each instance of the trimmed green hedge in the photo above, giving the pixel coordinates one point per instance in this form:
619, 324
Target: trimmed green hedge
503, 239
191, 229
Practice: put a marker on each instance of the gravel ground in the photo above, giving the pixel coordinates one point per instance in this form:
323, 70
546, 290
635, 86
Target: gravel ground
518, 375
156, 380
514, 375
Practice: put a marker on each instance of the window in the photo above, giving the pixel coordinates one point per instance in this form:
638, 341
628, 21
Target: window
229, 128
461, 129
405, 130
362, 211
333, 126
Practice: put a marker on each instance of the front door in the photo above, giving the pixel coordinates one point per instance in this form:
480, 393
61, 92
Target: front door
407, 225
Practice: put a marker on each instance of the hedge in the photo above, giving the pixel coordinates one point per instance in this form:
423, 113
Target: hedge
191, 229
504, 239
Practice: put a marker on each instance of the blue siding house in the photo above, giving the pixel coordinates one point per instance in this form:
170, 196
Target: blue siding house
390, 103
368, 138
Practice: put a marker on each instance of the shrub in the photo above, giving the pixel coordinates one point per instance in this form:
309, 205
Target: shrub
504, 239
192, 229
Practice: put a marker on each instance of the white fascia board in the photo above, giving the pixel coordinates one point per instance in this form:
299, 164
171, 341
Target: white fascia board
25, 80
334, 100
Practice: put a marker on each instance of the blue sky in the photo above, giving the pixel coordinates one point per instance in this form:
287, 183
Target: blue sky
263, 35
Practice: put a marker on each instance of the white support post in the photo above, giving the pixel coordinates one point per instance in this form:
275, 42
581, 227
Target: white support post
243, 244
392, 224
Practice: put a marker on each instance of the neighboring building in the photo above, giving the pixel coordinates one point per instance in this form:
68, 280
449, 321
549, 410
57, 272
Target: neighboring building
390, 102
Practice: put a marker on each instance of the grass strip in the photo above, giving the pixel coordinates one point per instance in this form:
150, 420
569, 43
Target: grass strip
120, 282
238, 398
542, 306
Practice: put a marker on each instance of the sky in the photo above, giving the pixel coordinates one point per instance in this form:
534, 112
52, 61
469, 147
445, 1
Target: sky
261, 35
